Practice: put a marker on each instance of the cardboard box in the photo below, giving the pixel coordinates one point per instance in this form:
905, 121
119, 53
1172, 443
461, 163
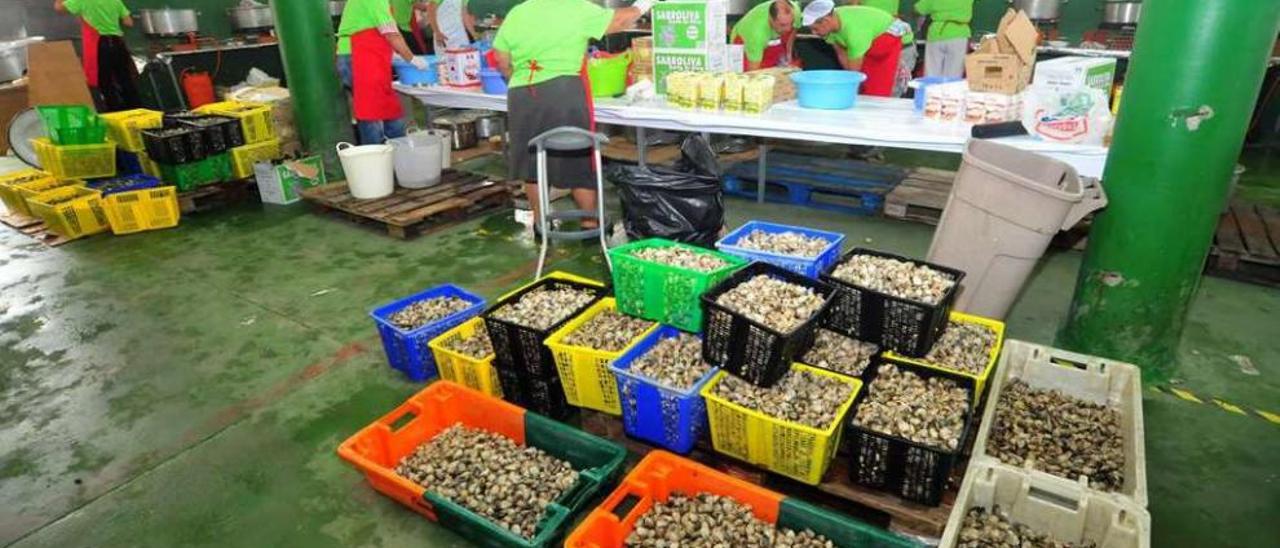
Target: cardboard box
1075, 73
689, 24
1003, 63
282, 183
665, 63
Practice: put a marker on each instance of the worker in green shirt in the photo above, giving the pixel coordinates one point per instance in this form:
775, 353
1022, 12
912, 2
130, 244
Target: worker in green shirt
406, 15
889, 6
452, 24
108, 66
947, 35
869, 40
367, 39
541, 49
767, 34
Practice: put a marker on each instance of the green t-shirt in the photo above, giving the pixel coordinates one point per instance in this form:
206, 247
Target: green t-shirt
950, 18
360, 15
552, 33
890, 6
755, 31
402, 10
103, 15
861, 25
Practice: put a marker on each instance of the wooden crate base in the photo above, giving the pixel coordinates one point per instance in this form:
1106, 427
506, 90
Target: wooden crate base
1246, 246
215, 196
408, 213
33, 228
920, 197
836, 491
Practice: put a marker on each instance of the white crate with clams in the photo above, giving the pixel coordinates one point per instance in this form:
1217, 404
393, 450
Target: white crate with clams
1115, 384
1047, 505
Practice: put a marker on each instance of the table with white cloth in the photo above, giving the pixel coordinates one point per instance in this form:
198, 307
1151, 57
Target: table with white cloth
873, 121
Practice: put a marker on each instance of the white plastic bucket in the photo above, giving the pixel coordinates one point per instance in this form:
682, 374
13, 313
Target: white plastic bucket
369, 170
417, 159
446, 146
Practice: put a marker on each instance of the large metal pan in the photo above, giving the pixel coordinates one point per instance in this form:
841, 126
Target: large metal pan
251, 17
168, 22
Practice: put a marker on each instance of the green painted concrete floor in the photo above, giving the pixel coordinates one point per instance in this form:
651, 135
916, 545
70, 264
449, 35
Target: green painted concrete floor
189, 387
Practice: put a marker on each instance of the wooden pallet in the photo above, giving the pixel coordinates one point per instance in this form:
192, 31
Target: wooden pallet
215, 196
1246, 245
34, 228
409, 213
833, 184
921, 196
836, 491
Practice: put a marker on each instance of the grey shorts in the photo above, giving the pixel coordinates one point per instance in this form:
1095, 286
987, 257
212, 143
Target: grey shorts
531, 110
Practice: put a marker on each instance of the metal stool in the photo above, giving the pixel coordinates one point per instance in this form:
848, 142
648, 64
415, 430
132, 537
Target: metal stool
568, 139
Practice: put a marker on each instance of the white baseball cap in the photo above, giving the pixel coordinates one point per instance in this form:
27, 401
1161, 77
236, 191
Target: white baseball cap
817, 9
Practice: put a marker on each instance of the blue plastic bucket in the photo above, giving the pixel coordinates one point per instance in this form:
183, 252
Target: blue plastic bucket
492, 82
410, 75
827, 89
922, 83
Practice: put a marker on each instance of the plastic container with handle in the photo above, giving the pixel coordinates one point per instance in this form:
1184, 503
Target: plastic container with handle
416, 158
369, 170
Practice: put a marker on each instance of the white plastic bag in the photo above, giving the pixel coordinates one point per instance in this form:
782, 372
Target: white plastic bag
1080, 116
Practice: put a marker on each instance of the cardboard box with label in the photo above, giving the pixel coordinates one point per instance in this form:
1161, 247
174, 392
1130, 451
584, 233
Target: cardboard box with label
665, 63
1003, 63
689, 24
1076, 73
283, 183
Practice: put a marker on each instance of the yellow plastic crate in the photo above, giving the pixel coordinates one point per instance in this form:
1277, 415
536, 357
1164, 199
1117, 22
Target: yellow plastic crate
11, 182
149, 166
30, 190
477, 374
125, 127
255, 118
794, 450
584, 372
139, 210
980, 381
243, 158
76, 161
70, 211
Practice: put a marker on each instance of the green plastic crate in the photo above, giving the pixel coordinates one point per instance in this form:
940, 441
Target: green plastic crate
73, 124
213, 169
664, 293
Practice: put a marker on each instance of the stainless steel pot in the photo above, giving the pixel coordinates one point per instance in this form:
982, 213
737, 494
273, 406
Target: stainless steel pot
1040, 10
168, 22
251, 17
1121, 13
336, 7
490, 125
461, 129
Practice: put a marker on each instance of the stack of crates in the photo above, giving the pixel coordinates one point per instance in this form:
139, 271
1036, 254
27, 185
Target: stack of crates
188, 156
136, 203
259, 142
77, 146
70, 211
125, 128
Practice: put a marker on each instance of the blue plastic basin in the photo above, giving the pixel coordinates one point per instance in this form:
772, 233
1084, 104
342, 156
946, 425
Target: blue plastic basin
827, 89
410, 75
492, 82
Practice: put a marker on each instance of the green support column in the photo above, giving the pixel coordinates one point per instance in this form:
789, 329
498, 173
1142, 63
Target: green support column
1193, 79
307, 45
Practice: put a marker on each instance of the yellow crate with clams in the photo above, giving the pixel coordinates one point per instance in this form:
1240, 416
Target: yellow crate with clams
71, 211
243, 157
471, 372
10, 183
584, 372
141, 210
125, 127
979, 379
255, 119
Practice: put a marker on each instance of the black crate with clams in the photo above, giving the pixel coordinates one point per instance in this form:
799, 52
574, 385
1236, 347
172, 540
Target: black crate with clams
221, 133
176, 118
906, 468
756, 353
543, 396
902, 325
174, 146
520, 348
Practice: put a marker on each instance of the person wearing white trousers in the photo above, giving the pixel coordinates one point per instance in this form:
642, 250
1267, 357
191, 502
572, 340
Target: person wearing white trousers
945, 57
947, 39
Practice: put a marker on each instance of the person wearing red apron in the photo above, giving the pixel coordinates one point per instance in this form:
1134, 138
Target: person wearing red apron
541, 49
367, 38
866, 39
108, 66
767, 34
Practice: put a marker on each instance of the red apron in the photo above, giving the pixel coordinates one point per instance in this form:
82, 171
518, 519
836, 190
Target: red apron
373, 97
880, 64
89, 42
772, 54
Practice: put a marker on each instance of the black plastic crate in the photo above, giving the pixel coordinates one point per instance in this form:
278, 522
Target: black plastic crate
175, 146
902, 325
221, 133
175, 119
543, 396
520, 348
909, 469
757, 354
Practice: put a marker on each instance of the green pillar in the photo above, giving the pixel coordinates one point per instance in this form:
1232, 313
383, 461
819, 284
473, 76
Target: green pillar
1193, 80
307, 46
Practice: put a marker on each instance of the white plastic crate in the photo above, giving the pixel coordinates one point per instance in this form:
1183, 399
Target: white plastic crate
1117, 385
1061, 509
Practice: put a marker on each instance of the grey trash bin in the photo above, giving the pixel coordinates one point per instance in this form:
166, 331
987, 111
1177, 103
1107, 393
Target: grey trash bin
1003, 210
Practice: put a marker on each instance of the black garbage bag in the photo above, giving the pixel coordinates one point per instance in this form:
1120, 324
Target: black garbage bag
684, 203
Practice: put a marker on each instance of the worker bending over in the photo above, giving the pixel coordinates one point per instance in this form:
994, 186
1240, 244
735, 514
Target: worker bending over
947, 34
108, 66
541, 49
367, 38
768, 34
869, 40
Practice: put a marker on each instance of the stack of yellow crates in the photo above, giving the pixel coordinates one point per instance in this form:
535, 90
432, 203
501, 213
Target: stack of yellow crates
260, 140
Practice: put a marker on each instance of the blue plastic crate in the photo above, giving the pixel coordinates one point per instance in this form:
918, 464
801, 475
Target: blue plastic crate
661, 415
809, 267
407, 351
127, 163
127, 183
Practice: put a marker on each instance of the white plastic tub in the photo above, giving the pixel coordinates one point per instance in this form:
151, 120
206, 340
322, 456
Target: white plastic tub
369, 170
417, 159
